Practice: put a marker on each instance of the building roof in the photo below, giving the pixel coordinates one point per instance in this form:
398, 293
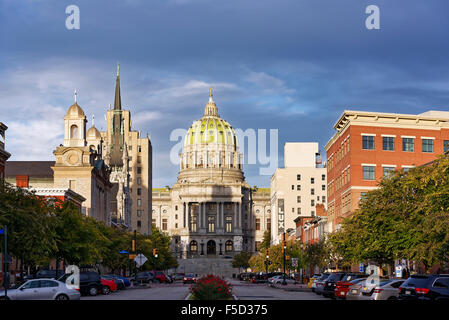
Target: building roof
38, 169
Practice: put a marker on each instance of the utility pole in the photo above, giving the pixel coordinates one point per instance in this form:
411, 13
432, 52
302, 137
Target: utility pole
284, 247
6, 258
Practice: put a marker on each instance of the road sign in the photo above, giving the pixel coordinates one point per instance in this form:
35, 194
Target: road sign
140, 260
123, 252
295, 262
399, 271
1, 231
132, 256
361, 267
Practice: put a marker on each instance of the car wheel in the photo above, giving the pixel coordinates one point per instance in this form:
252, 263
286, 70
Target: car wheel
392, 298
106, 290
4, 298
62, 297
93, 291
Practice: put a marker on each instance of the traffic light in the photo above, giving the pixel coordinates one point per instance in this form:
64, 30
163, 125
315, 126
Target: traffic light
155, 252
287, 258
268, 252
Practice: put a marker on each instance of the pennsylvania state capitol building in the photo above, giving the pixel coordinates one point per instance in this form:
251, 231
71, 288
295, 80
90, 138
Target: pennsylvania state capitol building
211, 211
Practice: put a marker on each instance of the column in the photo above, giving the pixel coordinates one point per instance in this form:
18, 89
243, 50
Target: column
222, 215
240, 215
189, 212
218, 218
184, 213
234, 222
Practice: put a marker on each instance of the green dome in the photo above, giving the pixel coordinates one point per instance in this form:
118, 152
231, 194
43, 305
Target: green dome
211, 130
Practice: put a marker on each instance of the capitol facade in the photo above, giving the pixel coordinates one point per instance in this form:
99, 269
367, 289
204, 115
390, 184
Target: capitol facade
211, 211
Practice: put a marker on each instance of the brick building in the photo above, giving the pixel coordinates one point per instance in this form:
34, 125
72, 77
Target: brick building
3, 154
368, 145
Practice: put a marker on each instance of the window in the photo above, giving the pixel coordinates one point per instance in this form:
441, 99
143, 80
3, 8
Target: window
298, 199
446, 145
363, 195
312, 213
312, 191
139, 148
164, 224
312, 180
293, 209
176, 225
298, 210
312, 203
388, 143
139, 191
139, 170
318, 198
323, 187
193, 224
193, 246
368, 172
257, 224
293, 187
427, 145
298, 187
176, 209
228, 246
139, 213
74, 132
139, 202
298, 177
269, 223
211, 223
368, 142
153, 222
406, 169
408, 144
323, 177
257, 245
228, 224
176, 217
388, 171
139, 224
323, 199
139, 181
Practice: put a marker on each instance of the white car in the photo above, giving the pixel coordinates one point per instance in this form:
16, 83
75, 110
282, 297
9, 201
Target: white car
41, 289
279, 280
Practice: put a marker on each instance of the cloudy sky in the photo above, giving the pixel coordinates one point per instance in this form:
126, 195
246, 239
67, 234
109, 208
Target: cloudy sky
291, 65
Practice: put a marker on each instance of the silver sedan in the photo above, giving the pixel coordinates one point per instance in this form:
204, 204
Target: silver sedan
41, 289
389, 291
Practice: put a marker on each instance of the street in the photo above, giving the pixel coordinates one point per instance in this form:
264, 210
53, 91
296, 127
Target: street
179, 291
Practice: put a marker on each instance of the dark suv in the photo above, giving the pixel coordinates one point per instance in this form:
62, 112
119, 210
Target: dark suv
331, 283
144, 277
90, 282
425, 287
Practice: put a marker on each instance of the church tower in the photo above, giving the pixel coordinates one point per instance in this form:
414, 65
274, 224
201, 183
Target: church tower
75, 126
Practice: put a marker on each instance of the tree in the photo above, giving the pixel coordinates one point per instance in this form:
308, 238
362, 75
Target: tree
407, 217
266, 241
241, 260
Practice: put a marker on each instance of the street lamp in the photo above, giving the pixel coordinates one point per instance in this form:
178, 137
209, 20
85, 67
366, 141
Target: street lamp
302, 265
267, 261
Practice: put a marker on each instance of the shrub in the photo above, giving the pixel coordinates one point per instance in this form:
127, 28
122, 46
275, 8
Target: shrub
211, 287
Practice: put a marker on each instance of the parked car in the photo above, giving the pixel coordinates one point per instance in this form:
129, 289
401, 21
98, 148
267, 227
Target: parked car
259, 278
159, 276
45, 274
144, 277
354, 290
330, 283
108, 285
388, 291
320, 283
279, 279
169, 278
368, 286
118, 282
189, 278
343, 287
125, 280
178, 276
90, 282
311, 281
425, 287
41, 289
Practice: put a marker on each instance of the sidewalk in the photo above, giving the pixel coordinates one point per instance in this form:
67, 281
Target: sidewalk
292, 287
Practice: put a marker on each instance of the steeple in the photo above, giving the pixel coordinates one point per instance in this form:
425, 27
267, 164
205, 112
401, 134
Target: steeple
118, 99
211, 108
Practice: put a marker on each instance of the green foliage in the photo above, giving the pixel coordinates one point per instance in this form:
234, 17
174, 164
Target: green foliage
241, 260
407, 217
266, 241
39, 231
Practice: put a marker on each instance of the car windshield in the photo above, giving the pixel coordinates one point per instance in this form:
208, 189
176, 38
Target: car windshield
334, 277
416, 281
324, 276
355, 281
190, 275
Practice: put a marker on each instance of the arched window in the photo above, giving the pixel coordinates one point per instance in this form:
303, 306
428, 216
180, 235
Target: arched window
228, 246
74, 132
193, 246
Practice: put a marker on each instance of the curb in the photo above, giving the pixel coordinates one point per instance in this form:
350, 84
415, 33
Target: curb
188, 296
235, 297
